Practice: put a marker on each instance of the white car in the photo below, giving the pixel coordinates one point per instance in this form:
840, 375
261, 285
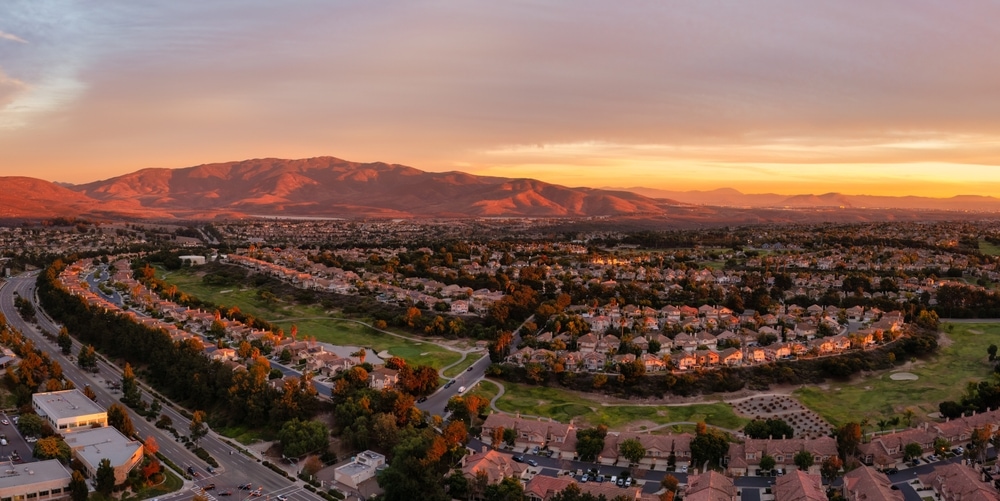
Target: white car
4, 421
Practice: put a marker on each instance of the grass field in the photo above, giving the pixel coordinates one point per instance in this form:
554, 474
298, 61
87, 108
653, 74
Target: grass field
988, 248
961, 359
485, 389
563, 406
325, 329
470, 359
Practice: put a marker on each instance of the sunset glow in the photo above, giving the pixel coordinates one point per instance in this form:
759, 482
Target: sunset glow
774, 96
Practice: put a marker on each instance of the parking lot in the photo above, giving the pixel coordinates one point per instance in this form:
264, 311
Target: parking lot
17, 449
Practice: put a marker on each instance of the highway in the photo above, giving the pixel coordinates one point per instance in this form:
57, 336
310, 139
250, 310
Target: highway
236, 467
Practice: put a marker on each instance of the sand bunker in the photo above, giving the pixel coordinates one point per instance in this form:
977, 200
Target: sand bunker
903, 376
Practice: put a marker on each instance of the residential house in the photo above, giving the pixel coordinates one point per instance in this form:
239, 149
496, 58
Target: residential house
868, 484
958, 482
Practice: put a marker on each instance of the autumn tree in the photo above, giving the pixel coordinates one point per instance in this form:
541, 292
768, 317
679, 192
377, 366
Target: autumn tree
89, 392
198, 428
830, 469
119, 418
51, 448
87, 358
130, 387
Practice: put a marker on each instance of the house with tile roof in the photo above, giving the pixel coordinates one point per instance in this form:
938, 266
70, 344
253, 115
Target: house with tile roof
868, 484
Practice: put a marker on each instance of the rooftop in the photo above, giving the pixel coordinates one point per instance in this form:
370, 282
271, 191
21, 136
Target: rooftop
65, 404
41, 471
95, 444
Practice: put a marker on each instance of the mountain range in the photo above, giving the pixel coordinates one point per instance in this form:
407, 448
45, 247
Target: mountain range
331, 187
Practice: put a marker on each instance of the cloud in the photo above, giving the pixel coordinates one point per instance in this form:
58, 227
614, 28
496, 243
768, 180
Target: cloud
14, 38
9, 89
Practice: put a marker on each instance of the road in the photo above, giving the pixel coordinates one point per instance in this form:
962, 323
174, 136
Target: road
436, 402
236, 468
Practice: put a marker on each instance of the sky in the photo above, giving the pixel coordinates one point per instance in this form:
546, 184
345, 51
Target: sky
875, 97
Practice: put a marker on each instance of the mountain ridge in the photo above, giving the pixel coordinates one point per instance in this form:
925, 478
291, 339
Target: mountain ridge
332, 187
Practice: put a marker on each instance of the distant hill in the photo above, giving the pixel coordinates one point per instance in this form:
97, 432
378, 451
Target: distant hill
331, 187
728, 197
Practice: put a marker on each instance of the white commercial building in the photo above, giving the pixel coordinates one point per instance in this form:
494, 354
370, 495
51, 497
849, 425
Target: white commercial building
362, 468
68, 410
36, 481
91, 446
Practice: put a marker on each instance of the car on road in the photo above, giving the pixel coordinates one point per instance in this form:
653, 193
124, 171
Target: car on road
469, 369
227, 492
282, 497
4, 421
31, 440
461, 389
422, 399
532, 462
210, 469
519, 459
209, 487
449, 383
255, 493
245, 487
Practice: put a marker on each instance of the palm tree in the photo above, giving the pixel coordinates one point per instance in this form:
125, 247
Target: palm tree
360, 354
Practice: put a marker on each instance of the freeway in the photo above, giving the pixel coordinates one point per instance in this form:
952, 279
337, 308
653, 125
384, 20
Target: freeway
236, 467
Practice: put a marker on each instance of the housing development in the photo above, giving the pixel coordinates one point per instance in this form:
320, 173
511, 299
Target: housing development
537, 362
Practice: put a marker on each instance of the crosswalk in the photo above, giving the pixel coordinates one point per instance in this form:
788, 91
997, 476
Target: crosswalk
291, 492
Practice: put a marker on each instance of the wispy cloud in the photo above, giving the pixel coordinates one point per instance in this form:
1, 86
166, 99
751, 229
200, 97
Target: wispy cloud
13, 38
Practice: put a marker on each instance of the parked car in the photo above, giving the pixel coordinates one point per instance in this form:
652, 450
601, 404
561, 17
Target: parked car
628, 482
621, 482
891, 471
584, 478
683, 468
532, 462
535, 450
519, 459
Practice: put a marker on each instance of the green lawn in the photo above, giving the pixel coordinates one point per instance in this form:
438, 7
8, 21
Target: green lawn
563, 406
327, 329
470, 359
485, 389
941, 377
988, 248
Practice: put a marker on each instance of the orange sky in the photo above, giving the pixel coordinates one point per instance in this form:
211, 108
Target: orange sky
772, 96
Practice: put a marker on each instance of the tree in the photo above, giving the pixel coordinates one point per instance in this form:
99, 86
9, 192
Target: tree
51, 448
912, 450
803, 459
632, 450
848, 439
104, 481
64, 341
767, 462
198, 427
670, 483
941, 445
496, 437
830, 469
769, 428
31, 425
708, 445
150, 447
130, 388
590, 442
908, 416
78, 487
300, 437
509, 489
992, 351
510, 436
89, 393
119, 418
87, 358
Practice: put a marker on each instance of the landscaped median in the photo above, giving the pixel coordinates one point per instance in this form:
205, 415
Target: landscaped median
563, 406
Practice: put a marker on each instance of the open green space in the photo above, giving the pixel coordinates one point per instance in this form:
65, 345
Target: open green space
470, 359
988, 248
486, 389
242, 434
319, 324
564, 406
961, 359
